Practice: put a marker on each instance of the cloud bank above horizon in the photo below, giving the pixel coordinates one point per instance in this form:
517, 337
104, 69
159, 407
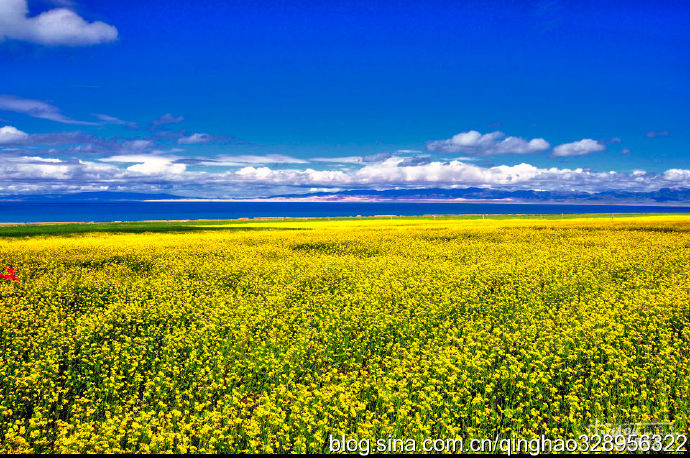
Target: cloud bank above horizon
55, 27
77, 161
257, 176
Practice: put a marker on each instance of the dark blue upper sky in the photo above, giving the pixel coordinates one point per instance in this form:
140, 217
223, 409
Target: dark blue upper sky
311, 80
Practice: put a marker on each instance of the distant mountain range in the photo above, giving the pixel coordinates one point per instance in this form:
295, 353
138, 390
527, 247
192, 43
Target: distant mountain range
99, 196
663, 196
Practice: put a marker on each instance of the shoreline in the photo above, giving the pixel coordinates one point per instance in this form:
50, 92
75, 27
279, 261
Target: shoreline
362, 200
306, 218
365, 201
506, 201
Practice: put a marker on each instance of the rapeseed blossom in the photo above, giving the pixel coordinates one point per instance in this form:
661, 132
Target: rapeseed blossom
272, 340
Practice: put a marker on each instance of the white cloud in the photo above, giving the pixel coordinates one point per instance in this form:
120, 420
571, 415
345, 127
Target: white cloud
157, 166
107, 119
361, 159
36, 109
195, 139
245, 159
661, 133
59, 26
33, 168
167, 119
149, 164
136, 145
679, 175
340, 159
51, 160
12, 136
453, 172
392, 173
199, 138
138, 171
475, 143
578, 148
129, 158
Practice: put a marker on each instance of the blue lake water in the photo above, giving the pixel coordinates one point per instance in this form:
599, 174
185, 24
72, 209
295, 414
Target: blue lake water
138, 211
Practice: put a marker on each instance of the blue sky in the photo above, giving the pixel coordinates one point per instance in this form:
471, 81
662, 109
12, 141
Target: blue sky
239, 99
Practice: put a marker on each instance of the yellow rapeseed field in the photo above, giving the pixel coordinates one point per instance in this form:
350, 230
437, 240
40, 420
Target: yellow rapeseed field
271, 336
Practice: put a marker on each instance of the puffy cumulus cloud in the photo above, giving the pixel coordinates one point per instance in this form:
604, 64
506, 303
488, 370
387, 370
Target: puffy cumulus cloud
578, 148
395, 172
307, 177
157, 166
37, 109
136, 171
12, 136
677, 175
475, 143
28, 168
59, 26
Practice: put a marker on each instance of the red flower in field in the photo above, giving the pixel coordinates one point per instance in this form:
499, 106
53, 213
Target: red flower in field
9, 275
